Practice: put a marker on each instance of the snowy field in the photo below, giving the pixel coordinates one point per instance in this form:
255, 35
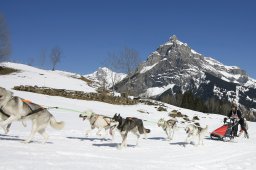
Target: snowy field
70, 149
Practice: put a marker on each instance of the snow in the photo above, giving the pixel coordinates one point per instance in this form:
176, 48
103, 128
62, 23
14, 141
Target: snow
181, 43
226, 72
70, 149
147, 68
154, 91
31, 76
168, 43
194, 52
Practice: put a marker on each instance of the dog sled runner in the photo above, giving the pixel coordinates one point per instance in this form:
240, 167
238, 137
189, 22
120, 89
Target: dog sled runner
225, 132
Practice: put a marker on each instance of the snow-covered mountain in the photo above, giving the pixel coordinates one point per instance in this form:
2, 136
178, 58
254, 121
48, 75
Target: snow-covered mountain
176, 68
105, 77
27, 75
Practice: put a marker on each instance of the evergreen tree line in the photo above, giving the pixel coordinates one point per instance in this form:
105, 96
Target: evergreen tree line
190, 101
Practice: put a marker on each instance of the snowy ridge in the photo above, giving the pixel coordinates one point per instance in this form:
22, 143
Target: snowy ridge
32, 76
105, 75
227, 73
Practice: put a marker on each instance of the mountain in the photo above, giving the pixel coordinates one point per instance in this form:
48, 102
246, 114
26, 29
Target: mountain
175, 68
105, 77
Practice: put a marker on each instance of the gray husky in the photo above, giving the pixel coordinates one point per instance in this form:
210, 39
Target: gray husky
15, 109
192, 130
168, 126
130, 124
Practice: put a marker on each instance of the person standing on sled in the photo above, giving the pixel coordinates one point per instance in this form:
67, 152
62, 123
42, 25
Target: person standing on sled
237, 115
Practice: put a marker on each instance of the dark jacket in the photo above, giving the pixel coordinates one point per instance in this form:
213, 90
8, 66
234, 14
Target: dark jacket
239, 114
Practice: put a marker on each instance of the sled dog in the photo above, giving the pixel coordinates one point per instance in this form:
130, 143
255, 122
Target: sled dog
97, 121
193, 131
14, 108
130, 124
168, 126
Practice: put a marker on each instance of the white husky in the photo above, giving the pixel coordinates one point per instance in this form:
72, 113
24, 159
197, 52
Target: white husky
14, 108
193, 130
97, 121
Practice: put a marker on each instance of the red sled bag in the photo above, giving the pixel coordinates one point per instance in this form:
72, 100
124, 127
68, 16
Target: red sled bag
226, 131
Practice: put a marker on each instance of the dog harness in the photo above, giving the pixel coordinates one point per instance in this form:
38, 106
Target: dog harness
26, 102
3, 112
169, 122
108, 123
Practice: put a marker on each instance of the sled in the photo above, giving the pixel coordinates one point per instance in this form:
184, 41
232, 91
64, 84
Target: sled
225, 132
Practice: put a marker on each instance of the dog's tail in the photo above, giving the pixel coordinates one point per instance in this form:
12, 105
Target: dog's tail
55, 124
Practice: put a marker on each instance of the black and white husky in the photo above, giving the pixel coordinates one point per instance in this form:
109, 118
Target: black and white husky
129, 124
195, 131
14, 108
168, 126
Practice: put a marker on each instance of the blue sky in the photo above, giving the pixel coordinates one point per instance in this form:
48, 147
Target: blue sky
87, 30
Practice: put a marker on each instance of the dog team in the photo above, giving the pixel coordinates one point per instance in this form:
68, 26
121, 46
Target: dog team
13, 108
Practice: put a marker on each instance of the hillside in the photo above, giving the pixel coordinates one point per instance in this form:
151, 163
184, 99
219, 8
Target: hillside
27, 75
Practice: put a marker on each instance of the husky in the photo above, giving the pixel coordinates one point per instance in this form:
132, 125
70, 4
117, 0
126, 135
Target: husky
193, 130
168, 126
15, 109
97, 121
130, 124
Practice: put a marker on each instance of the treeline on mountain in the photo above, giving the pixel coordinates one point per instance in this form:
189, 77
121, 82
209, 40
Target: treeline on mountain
190, 101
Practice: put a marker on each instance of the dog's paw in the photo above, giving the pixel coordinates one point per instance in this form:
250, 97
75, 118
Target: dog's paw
119, 147
246, 135
7, 130
25, 142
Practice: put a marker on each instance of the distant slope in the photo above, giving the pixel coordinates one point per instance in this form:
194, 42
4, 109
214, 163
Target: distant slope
105, 76
27, 75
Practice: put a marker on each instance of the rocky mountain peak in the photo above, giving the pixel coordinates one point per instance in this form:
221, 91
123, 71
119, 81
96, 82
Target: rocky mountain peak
175, 67
173, 38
